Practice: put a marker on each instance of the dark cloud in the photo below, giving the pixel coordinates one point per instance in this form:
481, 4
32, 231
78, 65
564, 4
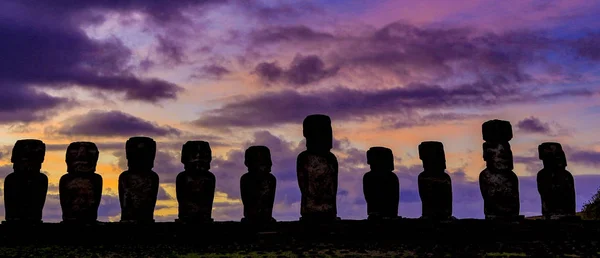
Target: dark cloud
163, 195
21, 104
532, 163
172, 50
272, 35
112, 123
585, 157
533, 125
212, 71
302, 71
342, 104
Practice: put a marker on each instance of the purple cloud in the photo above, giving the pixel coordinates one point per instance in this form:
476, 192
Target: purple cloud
533, 125
302, 71
213, 71
112, 123
585, 157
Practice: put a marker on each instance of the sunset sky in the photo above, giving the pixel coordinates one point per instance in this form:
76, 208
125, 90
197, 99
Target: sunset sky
242, 73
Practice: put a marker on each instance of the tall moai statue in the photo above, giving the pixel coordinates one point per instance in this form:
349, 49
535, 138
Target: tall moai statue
80, 190
555, 184
499, 185
317, 171
196, 185
25, 189
258, 186
138, 186
380, 185
435, 185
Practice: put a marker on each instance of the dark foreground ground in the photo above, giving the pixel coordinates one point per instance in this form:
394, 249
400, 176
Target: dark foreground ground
401, 238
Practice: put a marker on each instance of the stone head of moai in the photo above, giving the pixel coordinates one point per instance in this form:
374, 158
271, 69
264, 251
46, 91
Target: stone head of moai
82, 157
552, 154
140, 153
28, 155
433, 156
258, 159
380, 159
497, 131
196, 156
318, 133
498, 156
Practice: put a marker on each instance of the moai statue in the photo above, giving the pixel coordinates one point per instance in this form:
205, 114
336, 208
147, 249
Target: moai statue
555, 184
435, 186
25, 189
138, 186
258, 186
196, 185
499, 185
380, 185
80, 189
317, 171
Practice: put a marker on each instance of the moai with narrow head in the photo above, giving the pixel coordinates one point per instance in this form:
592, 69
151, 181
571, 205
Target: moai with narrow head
25, 189
138, 186
555, 184
499, 185
380, 185
258, 186
196, 185
435, 185
317, 171
80, 190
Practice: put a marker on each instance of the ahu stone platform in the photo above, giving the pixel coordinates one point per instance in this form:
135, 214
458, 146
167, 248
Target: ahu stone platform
419, 237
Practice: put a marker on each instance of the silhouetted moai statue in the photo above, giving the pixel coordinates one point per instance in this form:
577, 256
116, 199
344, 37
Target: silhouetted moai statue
258, 186
80, 189
380, 185
499, 185
25, 189
317, 171
138, 186
435, 186
555, 184
196, 185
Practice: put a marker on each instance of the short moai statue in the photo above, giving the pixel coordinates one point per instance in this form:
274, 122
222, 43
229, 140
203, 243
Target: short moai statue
196, 185
380, 185
138, 186
25, 189
555, 184
499, 185
317, 171
435, 185
258, 186
80, 189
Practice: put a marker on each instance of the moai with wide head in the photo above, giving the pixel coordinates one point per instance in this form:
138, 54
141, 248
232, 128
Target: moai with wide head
196, 185
317, 171
25, 189
80, 190
499, 185
138, 186
258, 186
555, 184
380, 185
435, 185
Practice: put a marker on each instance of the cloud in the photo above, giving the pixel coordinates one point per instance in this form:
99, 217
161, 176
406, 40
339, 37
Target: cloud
112, 123
533, 125
21, 104
212, 71
585, 157
343, 104
302, 71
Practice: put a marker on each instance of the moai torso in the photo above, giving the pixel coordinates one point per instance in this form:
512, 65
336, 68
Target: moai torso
435, 186
555, 184
380, 185
499, 185
25, 189
138, 186
258, 185
80, 189
317, 171
196, 185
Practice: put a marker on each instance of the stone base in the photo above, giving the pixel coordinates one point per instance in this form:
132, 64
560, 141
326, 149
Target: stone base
80, 222
259, 221
505, 218
319, 219
137, 221
379, 217
22, 222
194, 221
450, 218
563, 217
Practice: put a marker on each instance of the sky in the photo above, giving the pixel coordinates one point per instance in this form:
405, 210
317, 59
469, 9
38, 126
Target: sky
243, 73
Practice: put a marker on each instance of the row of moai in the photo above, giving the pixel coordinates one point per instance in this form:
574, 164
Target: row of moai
80, 189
